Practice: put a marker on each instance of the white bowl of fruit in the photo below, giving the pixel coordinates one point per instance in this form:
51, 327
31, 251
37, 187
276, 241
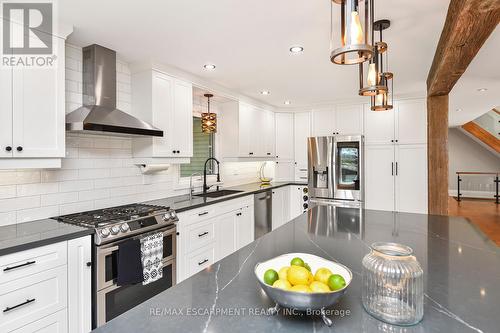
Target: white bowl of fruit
303, 281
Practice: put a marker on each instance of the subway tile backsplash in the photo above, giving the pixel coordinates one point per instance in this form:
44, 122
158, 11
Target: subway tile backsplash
98, 171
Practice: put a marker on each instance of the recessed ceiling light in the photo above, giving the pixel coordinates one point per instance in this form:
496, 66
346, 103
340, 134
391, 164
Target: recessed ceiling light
265, 92
296, 49
209, 67
482, 89
287, 102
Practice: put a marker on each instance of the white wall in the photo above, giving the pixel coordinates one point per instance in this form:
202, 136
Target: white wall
98, 170
467, 155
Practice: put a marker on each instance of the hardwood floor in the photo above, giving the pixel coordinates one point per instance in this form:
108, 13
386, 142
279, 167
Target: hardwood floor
485, 214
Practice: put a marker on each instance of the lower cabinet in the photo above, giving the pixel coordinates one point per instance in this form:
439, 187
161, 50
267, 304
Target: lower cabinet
208, 234
47, 289
281, 206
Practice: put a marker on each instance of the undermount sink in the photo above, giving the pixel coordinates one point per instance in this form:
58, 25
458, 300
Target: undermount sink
217, 194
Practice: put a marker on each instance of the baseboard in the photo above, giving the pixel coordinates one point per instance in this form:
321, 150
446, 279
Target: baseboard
473, 194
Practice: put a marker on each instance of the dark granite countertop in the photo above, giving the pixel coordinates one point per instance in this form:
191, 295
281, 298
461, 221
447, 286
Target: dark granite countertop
182, 203
27, 235
461, 271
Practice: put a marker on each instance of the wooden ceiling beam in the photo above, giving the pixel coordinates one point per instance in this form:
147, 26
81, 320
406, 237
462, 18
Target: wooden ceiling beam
468, 25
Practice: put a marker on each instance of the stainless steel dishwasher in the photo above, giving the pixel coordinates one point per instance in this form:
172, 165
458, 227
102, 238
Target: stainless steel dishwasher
263, 213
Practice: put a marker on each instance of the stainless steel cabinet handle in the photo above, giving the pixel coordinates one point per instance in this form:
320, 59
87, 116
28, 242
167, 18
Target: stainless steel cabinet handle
396, 168
202, 262
9, 308
204, 213
302, 169
203, 234
6, 269
303, 177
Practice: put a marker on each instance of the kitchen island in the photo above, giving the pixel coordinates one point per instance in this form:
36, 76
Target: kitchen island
461, 269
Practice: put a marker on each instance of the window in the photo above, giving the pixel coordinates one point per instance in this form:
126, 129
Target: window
203, 148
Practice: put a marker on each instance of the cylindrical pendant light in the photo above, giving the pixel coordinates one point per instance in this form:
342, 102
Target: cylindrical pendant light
208, 119
353, 43
383, 99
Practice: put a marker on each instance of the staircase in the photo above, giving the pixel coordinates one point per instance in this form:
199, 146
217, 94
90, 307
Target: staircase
485, 130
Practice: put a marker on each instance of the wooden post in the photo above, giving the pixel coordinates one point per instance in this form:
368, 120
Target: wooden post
437, 154
468, 24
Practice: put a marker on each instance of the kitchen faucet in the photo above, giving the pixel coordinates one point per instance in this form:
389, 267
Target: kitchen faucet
205, 186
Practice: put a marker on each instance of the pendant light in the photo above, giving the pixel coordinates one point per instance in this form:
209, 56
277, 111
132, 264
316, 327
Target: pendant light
208, 119
383, 99
371, 80
354, 42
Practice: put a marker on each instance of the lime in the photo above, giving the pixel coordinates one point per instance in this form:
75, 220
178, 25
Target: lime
298, 275
282, 284
306, 266
336, 282
322, 275
270, 276
301, 288
319, 287
297, 262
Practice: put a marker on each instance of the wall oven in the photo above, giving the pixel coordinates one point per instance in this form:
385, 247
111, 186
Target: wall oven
113, 300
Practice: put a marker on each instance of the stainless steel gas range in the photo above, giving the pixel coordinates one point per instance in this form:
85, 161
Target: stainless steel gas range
112, 227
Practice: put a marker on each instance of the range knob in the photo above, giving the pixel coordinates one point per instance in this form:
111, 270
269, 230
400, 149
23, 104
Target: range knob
105, 232
173, 215
124, 227
167, 216
115, 229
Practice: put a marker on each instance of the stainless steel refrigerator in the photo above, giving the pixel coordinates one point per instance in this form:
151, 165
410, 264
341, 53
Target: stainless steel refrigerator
335, 170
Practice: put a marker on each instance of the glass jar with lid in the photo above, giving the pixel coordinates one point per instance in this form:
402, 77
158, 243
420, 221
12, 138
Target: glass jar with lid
393, 284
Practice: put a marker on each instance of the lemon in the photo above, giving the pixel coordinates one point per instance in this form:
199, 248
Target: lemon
310, 278
270, 276
322, 275
282, 284
301, 288
298, 275
282, 273
319, 287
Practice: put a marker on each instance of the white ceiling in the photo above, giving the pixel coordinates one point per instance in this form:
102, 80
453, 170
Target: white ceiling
466, 102
249, 42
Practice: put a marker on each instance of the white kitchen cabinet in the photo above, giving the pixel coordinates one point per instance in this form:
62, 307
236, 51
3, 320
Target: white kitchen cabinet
32, 114
323, 122
302, 130
284, 137
379, 177
54, 323
379, 126
167, 103
225, 242
406, 123
80, 285
269, 134
244, 226
284, 171
208, 234
349, 119
396, 178
248, 141
411, 178
281, 207
411, 127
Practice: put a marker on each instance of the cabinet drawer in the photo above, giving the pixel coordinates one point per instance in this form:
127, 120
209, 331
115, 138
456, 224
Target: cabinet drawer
201, 259
200, 234
54, 323
33, 297
202, 214
21, 264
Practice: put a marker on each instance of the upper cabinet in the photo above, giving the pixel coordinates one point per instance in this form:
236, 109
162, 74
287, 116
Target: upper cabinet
254, 127
167, 103
302, 130
343, 120
405, 124
284, 136
32, 113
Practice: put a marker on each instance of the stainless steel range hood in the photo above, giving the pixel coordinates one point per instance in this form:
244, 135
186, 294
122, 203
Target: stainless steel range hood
99, 114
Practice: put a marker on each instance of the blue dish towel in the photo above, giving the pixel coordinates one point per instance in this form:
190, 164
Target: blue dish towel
151, 257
